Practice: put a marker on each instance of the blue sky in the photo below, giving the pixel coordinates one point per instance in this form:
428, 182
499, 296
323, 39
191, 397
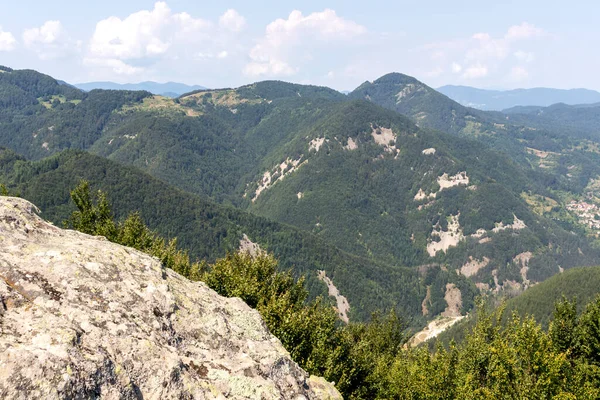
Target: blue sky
335, 43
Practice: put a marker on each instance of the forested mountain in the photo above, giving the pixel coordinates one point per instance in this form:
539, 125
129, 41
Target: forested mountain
577, 285
497, 100
397, 212
209, 230
582, 120
168, 89
561, 153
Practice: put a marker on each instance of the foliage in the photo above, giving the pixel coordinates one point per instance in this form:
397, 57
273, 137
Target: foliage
210, 230
94, 217
368, 360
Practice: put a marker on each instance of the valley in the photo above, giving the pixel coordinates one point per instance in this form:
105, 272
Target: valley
390, 178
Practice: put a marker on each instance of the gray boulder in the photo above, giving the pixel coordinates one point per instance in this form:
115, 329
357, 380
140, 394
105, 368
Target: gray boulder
81, 317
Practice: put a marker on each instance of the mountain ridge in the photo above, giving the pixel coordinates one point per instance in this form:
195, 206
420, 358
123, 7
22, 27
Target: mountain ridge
498, 100
168, 89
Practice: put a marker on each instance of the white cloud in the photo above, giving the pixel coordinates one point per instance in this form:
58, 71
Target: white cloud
137, 36
49, 41
143, 40
271, 67
293, 40
483, 55
222, 54
117, 66
232, 21
475, 71
7, 41
485, 47
49, 33
524, 56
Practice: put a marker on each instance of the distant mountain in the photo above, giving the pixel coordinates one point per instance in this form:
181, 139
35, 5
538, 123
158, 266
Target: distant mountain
539, 110
169, 89
497, 100
582, 120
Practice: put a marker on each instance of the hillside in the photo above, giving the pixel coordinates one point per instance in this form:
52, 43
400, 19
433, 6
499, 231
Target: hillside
427, 107
498, 100
580, 284
560, 153
582, 120
209, 230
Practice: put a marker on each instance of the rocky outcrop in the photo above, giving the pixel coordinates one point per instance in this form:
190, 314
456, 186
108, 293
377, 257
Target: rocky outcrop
81, 317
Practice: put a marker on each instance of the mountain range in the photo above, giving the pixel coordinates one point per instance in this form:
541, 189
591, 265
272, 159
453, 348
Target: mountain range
168, 89
405, 198
497, 100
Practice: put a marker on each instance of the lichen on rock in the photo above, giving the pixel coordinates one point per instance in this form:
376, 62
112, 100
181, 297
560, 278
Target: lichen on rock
81, 317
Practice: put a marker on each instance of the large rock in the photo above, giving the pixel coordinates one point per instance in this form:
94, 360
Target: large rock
81, 317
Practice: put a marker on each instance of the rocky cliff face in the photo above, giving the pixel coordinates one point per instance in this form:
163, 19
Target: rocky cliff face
81, 317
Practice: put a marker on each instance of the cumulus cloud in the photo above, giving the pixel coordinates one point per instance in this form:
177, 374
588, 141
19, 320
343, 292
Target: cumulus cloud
130, 45
485, 55
7, 41
220, 55
486, 47
49, 41
288, 42
232, 21
117, 66
141, 34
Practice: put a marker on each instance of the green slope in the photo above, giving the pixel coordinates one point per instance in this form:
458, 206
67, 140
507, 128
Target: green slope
209, 230
581, 284
365, 199
519, 136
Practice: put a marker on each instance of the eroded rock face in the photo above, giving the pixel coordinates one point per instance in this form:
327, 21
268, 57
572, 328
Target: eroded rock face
81, 317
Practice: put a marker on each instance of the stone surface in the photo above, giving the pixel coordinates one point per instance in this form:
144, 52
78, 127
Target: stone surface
81, 317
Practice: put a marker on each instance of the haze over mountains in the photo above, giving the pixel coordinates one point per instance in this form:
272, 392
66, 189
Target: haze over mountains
498, 100
169, 89
483, 99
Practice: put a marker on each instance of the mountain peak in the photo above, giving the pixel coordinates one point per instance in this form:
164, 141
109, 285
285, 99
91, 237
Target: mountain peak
396, 78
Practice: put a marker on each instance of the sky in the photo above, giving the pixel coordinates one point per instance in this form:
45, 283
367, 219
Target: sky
340, 44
